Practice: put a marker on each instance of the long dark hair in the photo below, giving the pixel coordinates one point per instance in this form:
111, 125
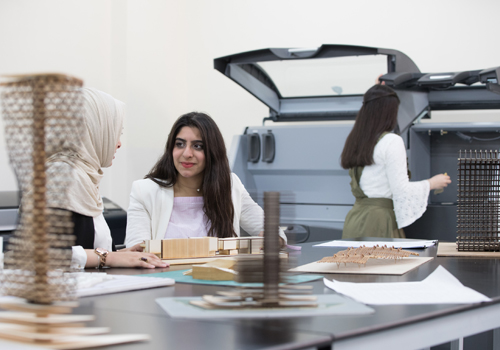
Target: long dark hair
217, 202
378, 114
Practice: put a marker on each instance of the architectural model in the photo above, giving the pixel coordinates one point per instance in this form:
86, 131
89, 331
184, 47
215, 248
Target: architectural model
43, 116
478, 201
40, 113
362, 254
202, 247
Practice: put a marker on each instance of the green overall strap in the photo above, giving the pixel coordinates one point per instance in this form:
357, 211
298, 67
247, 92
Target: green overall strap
355, 174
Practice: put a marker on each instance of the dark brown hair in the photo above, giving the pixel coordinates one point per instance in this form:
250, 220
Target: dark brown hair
378, 114
217, 202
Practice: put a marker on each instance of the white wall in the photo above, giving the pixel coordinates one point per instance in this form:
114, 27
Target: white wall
157, 55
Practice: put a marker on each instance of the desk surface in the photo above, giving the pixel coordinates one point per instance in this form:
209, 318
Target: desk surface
137, 312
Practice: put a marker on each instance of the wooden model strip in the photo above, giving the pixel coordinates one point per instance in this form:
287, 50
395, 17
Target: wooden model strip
9, 327
29, 333
85, 342
22, 305
191, 261
30, 318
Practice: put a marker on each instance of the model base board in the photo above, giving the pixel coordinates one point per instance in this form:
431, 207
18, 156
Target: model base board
373, 267
450, 249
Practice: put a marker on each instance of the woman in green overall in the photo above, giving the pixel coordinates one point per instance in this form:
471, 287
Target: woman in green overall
386, 201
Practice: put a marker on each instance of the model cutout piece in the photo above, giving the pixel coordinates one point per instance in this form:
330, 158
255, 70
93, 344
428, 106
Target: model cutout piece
478, 201
217, 270
362, 254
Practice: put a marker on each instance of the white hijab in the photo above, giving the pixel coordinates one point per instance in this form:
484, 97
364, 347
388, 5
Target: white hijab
103, 122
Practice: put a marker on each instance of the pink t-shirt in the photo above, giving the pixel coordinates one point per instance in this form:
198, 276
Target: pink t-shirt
187, 219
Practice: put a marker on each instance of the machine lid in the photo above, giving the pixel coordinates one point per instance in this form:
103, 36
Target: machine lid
325, 82
328, 82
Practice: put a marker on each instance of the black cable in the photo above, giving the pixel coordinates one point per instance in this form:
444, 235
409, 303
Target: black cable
470, 138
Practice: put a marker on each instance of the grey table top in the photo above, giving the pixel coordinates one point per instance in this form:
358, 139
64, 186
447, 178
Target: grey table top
137, 312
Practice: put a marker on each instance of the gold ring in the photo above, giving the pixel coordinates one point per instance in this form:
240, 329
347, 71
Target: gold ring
143, 259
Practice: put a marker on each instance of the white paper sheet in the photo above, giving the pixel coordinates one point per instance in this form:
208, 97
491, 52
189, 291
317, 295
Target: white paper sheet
440, 287
120, 283
97, 283
356, 244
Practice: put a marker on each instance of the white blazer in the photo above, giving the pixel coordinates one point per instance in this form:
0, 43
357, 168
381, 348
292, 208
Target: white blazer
151, 205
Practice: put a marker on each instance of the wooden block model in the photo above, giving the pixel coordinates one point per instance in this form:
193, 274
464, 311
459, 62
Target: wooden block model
181, 248
153, 246
240, 245
201, 247
217, 270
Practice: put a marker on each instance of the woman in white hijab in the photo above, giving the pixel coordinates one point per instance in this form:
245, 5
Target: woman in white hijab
103, 123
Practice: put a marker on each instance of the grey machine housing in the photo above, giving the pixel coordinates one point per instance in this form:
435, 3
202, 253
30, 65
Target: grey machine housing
302, 160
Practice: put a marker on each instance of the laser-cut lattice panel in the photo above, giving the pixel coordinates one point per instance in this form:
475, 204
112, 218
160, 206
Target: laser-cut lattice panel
43, 117
478, 201
271, 266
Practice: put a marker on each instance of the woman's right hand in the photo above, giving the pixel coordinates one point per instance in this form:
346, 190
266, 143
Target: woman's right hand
439, 181
134, 259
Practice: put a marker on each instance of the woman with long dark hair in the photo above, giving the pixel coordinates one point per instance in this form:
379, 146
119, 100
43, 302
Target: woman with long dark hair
386, 201
191, 192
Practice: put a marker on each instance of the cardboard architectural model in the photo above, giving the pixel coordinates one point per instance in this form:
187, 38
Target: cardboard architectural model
362, 254
43, 117
202, 247
240, 245
478, 201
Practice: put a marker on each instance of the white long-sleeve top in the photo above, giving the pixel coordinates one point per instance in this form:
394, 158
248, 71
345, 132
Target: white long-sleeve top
151, 206
388, 178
